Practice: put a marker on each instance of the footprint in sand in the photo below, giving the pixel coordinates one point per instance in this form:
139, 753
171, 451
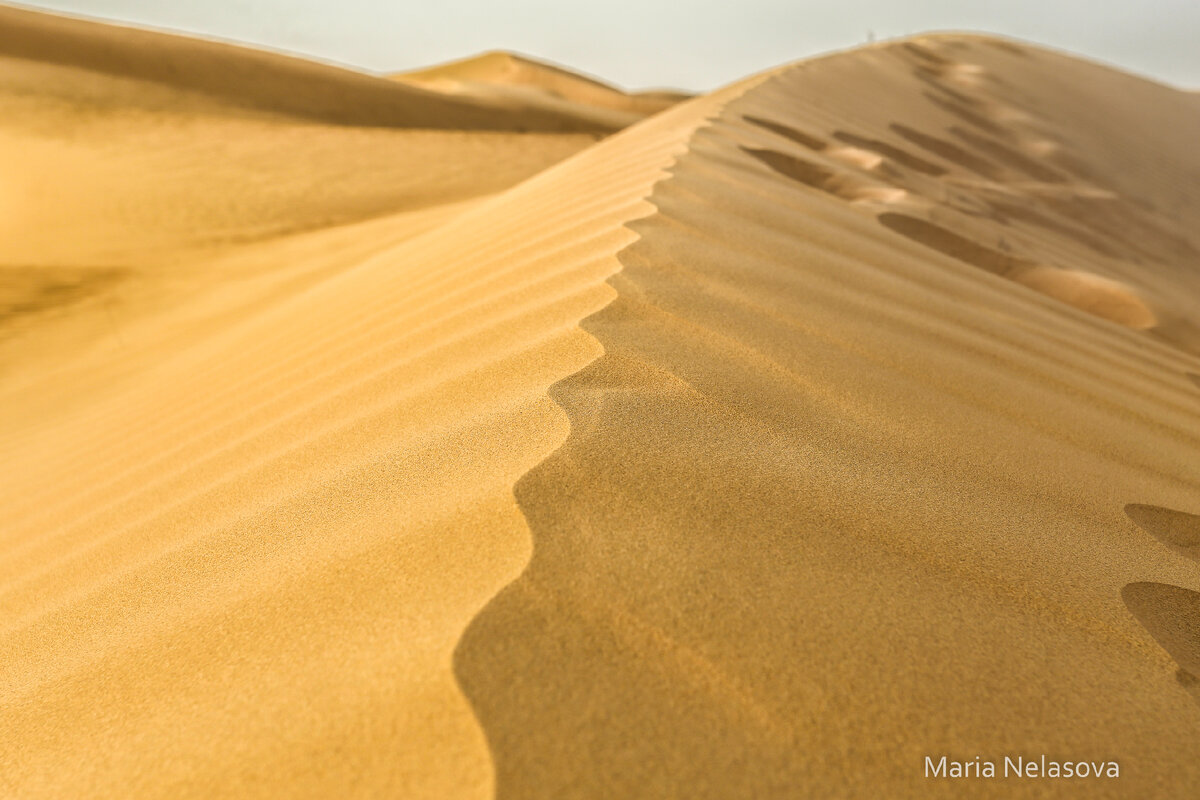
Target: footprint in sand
1009, 157
949, 151
842, 184
944, 68
800, 137
1088, 292
1171, 614
874, 179
889, 151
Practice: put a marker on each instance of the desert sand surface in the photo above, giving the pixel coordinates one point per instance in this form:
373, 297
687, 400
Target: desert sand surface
432, 437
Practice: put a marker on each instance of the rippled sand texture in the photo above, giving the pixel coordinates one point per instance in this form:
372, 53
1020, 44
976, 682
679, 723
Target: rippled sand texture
255, 487
426, 437
908, 329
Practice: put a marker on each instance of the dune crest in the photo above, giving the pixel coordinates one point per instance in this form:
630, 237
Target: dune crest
264, 528
839, 493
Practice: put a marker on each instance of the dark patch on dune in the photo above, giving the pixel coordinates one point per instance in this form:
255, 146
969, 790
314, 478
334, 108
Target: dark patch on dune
1009, 157
1177, 530
33, 290
891, 152
934, 80
949, 151
952, 244
925, 54
1136, 231
967, 115
1171, 614
1094, 294
800, 137
806, 172
1022, 213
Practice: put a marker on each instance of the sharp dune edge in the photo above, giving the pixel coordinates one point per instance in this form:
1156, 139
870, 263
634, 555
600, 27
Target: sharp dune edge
839, 417
835, 499
257, 509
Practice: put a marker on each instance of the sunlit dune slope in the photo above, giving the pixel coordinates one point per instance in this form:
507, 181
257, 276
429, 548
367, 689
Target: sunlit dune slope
136, 182
238, 566
909, 328
508, 76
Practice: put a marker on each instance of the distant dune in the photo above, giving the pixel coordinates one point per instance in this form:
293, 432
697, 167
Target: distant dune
358, 444
500, 76
133, 163
254, 81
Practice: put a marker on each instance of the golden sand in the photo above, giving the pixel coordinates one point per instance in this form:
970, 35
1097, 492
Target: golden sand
843, 416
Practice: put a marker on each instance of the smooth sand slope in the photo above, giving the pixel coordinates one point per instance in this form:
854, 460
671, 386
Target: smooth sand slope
133, 203
760, 449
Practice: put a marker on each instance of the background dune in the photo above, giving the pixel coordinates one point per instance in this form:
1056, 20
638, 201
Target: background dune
149, 194
201, 73
501, 76
358, 444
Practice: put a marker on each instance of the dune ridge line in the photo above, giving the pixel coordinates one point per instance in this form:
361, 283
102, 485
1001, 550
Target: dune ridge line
773, 525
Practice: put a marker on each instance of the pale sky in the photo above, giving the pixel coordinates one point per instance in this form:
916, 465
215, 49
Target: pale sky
695, 45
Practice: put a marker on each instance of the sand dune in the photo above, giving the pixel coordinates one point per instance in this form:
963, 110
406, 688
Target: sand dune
842, 416
137, 211
500, 76
842, 491
275, 503
206, 74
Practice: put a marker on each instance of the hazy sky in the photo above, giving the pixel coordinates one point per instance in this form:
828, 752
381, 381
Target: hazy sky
637, 43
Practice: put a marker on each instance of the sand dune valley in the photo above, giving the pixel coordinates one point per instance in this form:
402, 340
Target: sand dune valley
490, 431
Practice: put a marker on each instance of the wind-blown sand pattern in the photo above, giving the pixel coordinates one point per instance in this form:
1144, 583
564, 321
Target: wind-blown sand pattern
840, 417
